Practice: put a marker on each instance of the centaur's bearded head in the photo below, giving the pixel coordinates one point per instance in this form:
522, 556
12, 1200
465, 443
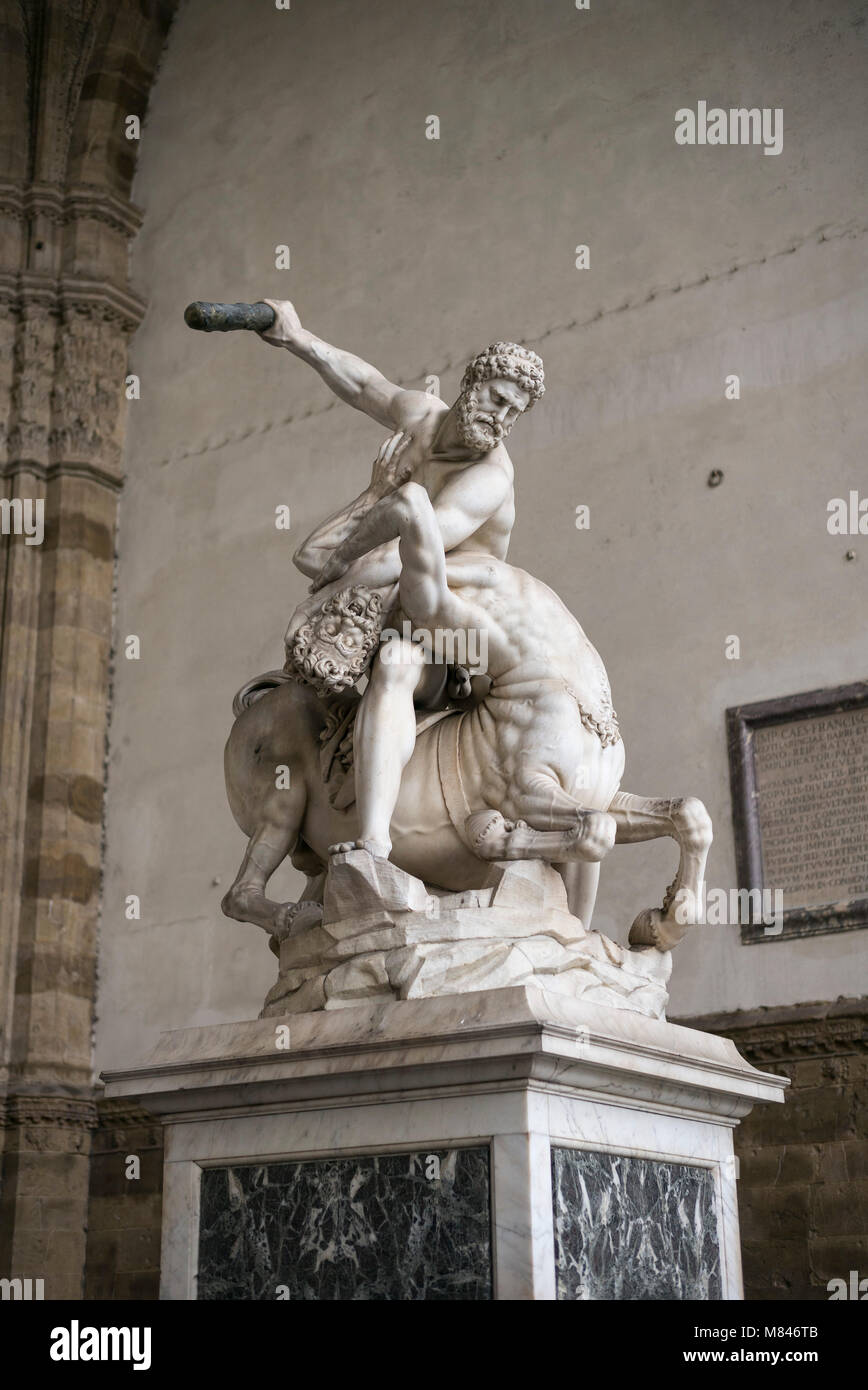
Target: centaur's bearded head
333, 649
499, 384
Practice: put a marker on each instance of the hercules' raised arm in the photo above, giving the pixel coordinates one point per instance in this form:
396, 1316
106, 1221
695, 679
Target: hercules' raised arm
351, 378
388, 473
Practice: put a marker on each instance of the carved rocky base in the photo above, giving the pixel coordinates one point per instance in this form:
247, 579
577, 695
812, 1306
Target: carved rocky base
384, 936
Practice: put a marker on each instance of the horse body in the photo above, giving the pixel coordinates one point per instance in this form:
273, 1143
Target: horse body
462, 766
526, 772
282, 728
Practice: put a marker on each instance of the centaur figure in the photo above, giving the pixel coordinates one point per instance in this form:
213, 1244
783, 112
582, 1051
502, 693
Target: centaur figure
530, 770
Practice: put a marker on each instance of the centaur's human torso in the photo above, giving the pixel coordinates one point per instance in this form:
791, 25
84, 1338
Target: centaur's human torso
547, 718
433, 470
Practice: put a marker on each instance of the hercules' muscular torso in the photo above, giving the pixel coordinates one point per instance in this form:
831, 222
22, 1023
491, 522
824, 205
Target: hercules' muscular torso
433, 471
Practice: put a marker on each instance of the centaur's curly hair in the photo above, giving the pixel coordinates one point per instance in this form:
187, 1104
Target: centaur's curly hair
510, 361
316, 666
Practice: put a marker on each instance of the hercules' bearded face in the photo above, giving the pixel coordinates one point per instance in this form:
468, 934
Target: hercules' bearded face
487, 411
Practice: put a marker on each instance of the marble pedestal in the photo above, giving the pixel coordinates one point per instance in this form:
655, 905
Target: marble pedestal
509, 1144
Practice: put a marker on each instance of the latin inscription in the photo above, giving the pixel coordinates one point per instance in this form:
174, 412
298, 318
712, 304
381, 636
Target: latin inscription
812, 803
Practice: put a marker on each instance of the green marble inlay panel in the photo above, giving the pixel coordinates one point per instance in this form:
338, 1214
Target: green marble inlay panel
633, 1228
380, 1228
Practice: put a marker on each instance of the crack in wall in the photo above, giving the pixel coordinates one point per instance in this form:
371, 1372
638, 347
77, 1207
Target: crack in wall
816, 238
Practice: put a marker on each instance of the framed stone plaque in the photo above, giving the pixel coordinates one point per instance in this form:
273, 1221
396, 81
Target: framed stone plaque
799, 777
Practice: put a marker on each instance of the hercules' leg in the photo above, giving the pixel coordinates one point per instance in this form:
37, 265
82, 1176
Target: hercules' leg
384, 739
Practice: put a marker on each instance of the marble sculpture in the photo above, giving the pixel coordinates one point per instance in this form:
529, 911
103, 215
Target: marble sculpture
450, 814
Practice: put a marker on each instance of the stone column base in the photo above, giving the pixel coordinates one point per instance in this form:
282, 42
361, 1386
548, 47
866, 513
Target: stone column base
508, 1144
43, 1193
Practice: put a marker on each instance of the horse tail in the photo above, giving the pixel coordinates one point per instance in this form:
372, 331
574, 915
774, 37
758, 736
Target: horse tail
257, 687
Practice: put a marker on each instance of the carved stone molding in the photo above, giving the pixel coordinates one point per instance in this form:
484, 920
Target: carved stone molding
101, 205
104, 300
114, 482
12, 200
115, 1113
793, 1034
63, 207
100, 298
48, 1112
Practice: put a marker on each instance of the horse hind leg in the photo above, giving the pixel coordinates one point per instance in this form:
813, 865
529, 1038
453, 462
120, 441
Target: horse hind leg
551, 825
685, 820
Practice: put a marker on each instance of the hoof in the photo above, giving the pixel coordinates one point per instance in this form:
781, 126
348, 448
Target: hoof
295, 917
653, 928
491, 836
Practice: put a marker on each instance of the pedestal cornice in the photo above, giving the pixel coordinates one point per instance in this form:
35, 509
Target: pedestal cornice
501, 1039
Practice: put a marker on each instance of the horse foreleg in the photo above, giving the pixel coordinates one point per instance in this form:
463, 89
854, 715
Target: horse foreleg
268, 847
685, 820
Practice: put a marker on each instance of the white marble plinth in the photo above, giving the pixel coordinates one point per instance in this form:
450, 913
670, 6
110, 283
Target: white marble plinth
518, 1072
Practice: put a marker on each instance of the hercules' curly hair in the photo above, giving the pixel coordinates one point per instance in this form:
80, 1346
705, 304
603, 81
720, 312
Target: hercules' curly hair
510, 361
319, 668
